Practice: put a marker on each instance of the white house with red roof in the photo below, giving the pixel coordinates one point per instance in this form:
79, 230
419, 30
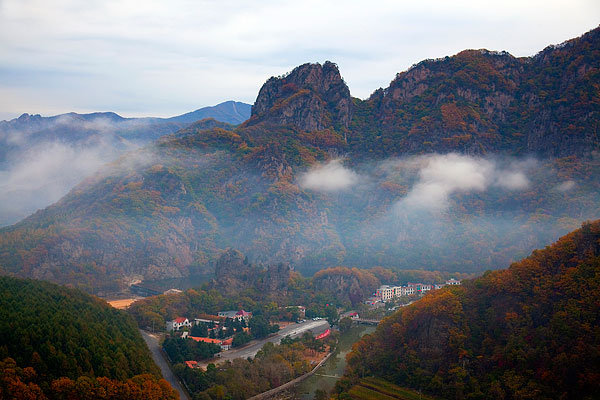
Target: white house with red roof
177, 323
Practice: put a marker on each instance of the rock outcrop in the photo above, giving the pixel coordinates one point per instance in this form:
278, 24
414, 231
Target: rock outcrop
346, 284
313, 97
233, 273
481, 101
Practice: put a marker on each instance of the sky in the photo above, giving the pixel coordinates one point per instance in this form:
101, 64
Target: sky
165, 58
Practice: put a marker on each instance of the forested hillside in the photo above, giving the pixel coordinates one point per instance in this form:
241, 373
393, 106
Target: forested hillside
481, 101
463, 164
528, 332
55, 341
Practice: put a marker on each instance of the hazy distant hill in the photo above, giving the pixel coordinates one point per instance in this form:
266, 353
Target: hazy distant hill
232, 112
75, 128
462, 164
42, 158
527, 332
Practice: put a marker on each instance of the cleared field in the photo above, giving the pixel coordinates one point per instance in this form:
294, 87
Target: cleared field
122, 303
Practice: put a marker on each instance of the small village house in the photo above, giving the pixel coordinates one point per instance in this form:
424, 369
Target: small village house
177, 323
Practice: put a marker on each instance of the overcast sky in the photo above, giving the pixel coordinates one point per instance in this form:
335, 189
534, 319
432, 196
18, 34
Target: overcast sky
163, 58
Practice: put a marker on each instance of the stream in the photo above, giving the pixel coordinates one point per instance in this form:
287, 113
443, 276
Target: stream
326, 376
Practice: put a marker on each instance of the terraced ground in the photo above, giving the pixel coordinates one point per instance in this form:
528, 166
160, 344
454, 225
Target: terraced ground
373, 388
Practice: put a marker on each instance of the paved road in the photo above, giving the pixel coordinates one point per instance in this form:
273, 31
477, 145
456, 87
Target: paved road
250, 350
157, 355
294, 330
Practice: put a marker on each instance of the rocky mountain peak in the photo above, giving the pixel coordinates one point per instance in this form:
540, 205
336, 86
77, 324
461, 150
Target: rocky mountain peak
312, 97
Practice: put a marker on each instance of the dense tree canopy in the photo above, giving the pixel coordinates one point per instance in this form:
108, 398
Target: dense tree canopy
65, 333
26, 384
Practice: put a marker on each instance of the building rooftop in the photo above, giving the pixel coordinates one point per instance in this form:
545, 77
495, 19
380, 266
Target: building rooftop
205, 340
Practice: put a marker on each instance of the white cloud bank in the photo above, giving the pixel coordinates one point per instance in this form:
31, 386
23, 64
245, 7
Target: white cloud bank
330, 177
439, 176
442, 175
42, 174
566, 186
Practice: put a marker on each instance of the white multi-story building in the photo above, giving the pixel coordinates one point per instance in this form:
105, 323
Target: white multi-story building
423, 287
407, 290
388, 292
385, 292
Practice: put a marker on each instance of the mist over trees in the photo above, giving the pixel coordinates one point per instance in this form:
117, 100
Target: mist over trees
450, 168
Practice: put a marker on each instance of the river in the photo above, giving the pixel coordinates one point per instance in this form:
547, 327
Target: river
332, 370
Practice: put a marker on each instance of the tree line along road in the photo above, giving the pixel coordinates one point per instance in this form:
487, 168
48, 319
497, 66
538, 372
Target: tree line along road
249, 350
293, 330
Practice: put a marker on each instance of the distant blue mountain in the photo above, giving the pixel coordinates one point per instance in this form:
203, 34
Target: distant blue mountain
74, 127
232, 112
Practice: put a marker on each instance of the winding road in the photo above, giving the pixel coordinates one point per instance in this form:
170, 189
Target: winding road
159, 359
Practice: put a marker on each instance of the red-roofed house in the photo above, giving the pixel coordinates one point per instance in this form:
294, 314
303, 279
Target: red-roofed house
192, 364
226, 344
178, 323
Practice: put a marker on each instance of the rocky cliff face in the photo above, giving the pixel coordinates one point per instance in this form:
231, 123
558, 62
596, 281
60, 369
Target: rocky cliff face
342, 287
233, 273
276, 279
346, 284
563, 98
312, 97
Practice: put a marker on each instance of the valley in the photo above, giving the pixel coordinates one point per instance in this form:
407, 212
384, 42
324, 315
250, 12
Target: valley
455, 211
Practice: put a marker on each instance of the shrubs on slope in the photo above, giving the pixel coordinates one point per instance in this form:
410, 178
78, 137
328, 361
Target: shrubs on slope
530, 331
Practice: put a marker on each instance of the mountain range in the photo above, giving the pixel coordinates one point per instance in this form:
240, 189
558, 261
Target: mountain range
463, 163
74, 127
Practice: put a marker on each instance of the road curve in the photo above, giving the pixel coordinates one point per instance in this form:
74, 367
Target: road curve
294, 330
159, 359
